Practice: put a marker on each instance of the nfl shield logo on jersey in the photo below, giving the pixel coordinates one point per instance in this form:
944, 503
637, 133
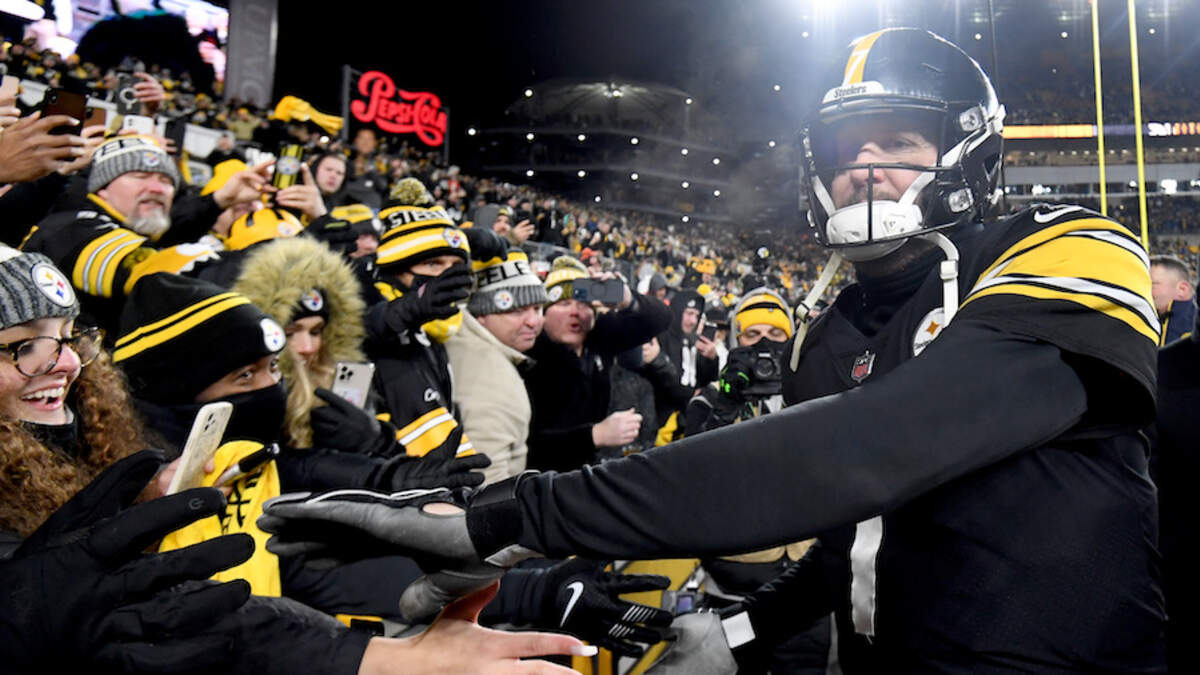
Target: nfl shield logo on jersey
862, 366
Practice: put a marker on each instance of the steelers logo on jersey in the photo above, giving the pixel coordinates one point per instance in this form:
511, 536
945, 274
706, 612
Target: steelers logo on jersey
929, 328
53, 284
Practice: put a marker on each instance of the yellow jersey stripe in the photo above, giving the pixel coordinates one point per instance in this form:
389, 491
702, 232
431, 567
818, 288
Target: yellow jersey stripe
1046, 234
1102, 304
1082, 258
108, 208
153, 340
107, 271
431, 439
150, 328
86, 274
422, 423
858, 58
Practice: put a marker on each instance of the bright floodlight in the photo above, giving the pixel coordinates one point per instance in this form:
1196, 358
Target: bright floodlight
979, 36
684, 151
529, 136
1063, 35
716, 161
582, 173
1152, 31
596, 198
529, 173
770, 144
633, 176
582, 137
685, 219
716, 193
685, 185
804, 34
633, 141
528, 93
687, 101
776, 87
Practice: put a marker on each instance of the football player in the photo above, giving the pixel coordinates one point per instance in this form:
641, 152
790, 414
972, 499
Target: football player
963, 435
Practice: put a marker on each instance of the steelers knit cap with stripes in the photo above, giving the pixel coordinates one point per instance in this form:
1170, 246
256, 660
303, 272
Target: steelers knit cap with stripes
124, 154
505, 283
416, 233
32, 288
179, 335
560, 281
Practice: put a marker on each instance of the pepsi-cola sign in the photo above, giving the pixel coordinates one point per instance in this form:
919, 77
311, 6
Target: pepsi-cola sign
397, 111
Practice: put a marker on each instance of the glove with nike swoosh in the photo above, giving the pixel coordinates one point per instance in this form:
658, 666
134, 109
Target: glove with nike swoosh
583, 599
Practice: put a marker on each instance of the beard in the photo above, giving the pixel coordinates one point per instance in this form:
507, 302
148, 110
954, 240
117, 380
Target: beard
152, 225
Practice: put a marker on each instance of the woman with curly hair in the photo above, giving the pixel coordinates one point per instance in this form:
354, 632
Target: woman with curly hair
65, 412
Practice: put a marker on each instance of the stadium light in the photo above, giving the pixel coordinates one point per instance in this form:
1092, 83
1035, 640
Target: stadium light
685, 185
979, 36
529, 173
1152, 31
528, 93
582, 137
770, 144
777, 87
582, 173
633, 141
685, 219
716, 193
684, 152
716, 161
529, 137
596, 199
1063, 35
633, 176
687, 101
471, 131
804, 34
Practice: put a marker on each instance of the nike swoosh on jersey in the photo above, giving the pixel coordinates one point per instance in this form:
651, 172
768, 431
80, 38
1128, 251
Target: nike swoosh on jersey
576, 588
1055, 214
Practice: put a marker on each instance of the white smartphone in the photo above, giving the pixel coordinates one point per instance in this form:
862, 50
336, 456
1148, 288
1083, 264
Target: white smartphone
352, 381
139, 123
202, 443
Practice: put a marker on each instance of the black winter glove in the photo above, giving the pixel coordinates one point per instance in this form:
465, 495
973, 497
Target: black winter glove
339, 235
435, 299
81, 596
736, 375
344, 426
439, 468
581, 598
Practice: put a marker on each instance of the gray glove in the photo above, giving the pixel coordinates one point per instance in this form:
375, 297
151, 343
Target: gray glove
429, 526
699, 648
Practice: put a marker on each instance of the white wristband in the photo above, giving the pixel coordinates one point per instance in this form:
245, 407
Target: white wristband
738, 630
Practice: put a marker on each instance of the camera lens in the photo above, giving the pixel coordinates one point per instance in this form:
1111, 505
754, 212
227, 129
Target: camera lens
765, 367
128, 95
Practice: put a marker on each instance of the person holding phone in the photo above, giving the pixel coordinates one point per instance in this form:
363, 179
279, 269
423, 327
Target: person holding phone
569, 384
692, 354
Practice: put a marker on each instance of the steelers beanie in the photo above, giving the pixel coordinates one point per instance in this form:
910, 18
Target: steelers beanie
31, 288
503, 284
762, 306
124, 154
416, 233
179, 335
559, 282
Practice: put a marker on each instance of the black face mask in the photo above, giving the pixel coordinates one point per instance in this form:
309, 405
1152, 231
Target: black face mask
64, 438
257, 415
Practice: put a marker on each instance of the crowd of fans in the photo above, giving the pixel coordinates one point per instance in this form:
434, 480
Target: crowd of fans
575, 334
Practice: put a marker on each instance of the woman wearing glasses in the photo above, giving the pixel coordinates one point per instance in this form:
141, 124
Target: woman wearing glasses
65, 413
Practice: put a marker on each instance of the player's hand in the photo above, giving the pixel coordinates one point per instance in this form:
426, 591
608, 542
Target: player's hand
583, 599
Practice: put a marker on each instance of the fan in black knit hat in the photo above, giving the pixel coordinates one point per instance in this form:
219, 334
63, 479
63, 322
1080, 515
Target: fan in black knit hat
180, 335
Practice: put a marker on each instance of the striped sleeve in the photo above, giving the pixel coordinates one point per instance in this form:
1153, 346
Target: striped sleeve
1081, 283
96, 267
429, 431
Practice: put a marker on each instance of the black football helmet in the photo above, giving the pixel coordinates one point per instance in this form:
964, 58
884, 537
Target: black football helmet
914, 78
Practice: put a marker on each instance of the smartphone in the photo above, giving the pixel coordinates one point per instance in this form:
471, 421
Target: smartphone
63, 102
96, 117
139, 123
175, 131
352, 381
202, 443
710, 331
287, 166
126, 96
606, 292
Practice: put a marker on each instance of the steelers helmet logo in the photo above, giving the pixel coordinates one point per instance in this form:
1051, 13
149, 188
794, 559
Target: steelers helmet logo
150, 159
555, 294
53, 284
288, 166
453, 237
273, 337
930, 327
504, 300
312, 300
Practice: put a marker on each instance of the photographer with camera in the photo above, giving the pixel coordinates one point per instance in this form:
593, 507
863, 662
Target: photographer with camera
570, 384
751, 384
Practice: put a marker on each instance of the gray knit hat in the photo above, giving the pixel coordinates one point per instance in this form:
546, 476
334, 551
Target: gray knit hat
505, 284
31, 288
123, 154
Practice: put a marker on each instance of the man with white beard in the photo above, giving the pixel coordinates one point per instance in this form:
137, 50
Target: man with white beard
122, 230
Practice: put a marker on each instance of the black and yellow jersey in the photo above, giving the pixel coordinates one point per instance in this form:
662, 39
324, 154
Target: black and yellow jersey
979, 489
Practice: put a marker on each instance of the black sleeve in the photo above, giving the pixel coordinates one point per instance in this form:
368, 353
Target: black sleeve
25, 204
192, 216
805, 592
824, 463
616, 332
283, 636
561, 449
308, 469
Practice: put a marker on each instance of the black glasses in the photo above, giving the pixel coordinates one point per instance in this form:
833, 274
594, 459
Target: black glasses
38, 355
